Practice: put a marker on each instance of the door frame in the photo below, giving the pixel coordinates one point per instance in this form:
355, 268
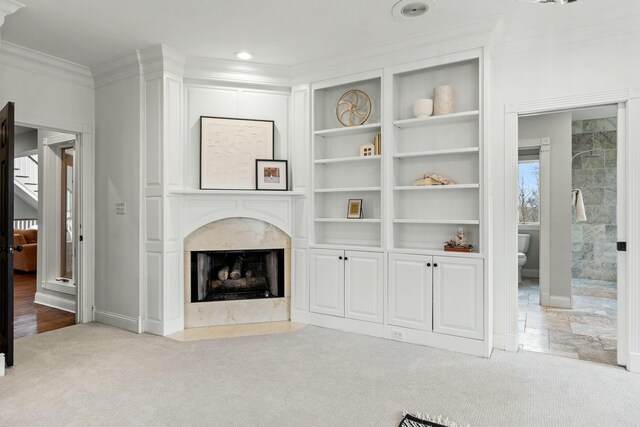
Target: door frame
544, 158
629, 298
85, 255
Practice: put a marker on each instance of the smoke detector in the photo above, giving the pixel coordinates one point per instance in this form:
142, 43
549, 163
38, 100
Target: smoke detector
410, 9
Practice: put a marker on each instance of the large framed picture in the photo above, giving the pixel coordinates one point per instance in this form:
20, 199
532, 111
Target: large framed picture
271, 175
229, 149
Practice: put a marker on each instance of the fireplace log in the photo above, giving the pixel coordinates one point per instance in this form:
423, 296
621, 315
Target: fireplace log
242, 284
248, 274
223, 273
236, 271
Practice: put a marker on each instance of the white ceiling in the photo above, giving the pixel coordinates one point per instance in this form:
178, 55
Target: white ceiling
283, 32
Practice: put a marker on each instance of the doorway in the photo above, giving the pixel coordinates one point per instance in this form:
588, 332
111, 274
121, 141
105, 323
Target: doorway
45, 206
568, 262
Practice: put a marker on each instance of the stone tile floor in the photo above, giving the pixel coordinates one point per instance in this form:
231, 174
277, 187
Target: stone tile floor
587, 331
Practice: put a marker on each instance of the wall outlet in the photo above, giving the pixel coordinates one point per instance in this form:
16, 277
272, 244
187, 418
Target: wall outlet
397, 335
121, 208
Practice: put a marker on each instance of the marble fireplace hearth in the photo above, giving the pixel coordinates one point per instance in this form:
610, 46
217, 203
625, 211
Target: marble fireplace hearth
233, 235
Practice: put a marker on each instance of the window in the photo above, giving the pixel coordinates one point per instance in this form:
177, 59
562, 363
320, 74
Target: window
529, 192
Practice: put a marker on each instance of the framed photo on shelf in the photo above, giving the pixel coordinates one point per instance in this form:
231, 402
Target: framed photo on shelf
355, 209
228, 151
272, 175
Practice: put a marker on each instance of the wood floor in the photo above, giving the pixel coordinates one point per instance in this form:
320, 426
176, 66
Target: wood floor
31, 318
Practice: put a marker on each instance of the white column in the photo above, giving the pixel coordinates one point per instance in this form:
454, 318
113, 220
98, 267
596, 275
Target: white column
162, 169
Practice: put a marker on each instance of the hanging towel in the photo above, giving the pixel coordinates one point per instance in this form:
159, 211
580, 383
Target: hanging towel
578, 202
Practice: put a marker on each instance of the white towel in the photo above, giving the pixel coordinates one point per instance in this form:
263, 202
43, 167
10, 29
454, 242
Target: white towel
578, 202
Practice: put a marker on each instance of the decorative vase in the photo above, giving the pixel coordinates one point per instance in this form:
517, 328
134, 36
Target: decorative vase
423, 107
443, 101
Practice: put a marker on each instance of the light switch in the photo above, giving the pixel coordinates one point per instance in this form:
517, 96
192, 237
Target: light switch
121, 208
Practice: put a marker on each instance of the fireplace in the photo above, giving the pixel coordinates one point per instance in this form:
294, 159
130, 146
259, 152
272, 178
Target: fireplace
237, 275
236, 270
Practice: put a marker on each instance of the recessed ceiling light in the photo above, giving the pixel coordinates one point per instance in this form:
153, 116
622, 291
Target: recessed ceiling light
245, 56
409, 9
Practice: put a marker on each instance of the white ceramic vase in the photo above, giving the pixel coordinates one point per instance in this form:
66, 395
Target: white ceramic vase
423, 107
443, 100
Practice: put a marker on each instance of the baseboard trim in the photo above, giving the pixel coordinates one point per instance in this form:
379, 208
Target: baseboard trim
511, 342
131, 324
633, 363
299, 316
559, 302
530, 272
498, 342
55, 302
544, 299
154, 327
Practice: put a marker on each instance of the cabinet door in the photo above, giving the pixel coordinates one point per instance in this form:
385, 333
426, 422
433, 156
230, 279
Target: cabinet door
458, 297
327, 282
410, 291
363, 281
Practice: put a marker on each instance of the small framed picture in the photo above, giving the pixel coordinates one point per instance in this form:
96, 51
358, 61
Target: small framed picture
355, 209
271, 175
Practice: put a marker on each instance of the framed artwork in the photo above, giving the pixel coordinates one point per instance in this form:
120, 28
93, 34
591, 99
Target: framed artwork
355, 209
229, 149
271, 175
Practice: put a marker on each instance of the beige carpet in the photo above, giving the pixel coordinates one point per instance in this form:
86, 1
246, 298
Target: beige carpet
97, 375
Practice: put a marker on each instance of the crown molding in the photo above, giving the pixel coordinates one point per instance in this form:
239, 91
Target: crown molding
504, 46
121, 68
454, 39
221, 70
33, 61
7, 7
160, 59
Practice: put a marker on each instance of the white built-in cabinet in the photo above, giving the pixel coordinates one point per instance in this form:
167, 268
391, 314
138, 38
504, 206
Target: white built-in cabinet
458, 296
347, 284
389, 267
439, 293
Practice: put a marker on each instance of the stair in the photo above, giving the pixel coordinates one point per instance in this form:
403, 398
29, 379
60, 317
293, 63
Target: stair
25, 179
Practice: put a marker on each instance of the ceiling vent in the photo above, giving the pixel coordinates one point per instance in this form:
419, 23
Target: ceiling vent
411, 9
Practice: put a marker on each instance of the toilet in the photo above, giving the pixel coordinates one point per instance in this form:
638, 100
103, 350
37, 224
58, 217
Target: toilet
523, 247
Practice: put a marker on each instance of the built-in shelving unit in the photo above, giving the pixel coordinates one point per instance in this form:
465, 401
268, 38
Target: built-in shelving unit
387, 274
340, 173
424, 217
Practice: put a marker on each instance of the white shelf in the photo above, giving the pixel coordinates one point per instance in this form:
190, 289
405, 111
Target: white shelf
346, 190
238, 192
470, 150
425, 121
347, 220
365, 248
346, 160
436, 252
349, 130
438, 221
436, 187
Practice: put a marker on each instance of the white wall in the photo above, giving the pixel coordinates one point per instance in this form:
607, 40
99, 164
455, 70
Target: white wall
22, 210
52, 93
597, 62
118, 142
233, 102
24, 142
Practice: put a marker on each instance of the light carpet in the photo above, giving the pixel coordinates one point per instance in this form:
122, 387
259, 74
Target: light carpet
98, 375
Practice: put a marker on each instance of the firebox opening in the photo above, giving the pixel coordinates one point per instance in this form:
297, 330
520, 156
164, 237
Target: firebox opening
237, 275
